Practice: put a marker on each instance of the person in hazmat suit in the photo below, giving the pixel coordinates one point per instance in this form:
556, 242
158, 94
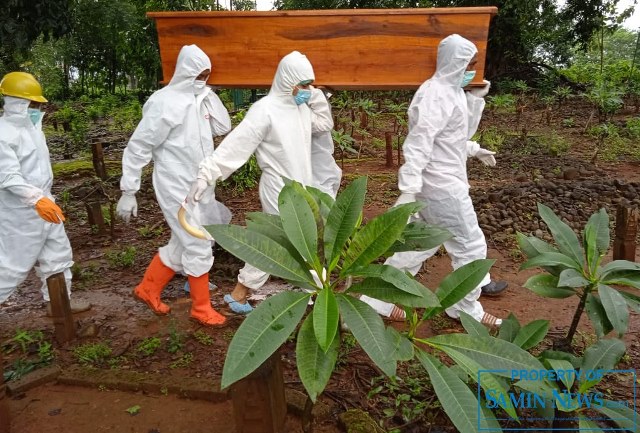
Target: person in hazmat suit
176, 131
31, 224
278, 130
442, 119
326, 173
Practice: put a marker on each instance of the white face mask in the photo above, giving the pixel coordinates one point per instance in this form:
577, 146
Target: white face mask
199, 86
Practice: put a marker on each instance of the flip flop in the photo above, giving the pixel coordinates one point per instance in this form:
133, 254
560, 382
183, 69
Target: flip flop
236, 306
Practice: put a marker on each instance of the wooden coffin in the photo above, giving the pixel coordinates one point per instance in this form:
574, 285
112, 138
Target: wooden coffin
349, 48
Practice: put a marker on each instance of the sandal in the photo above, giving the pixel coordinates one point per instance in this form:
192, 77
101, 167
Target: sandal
236, 306
397, 314
491, 321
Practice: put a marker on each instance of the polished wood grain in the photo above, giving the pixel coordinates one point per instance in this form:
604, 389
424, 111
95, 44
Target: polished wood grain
349, 49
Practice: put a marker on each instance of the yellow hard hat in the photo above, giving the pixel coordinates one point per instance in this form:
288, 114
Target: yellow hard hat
22, 85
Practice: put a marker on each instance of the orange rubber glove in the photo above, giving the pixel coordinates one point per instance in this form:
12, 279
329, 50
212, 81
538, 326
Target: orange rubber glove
49, 211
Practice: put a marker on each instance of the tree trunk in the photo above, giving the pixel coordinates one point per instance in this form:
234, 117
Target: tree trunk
624, 243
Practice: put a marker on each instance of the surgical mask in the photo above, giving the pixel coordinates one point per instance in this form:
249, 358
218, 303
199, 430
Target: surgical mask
468, 76
35, 115
303, 96
199, 85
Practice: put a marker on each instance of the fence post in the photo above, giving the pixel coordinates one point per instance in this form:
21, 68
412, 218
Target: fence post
65, 328
624, 243
388, 137
259, 404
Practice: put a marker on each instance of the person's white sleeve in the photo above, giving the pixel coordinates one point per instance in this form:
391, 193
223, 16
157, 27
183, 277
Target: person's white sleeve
11, 178
153, 129
475, 106
472, 148
427, 118
236, 148
321, 118
219, 116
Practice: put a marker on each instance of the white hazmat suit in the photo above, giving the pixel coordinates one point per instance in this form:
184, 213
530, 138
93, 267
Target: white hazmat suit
176, 131
279, 133
326, 173
442, 118
25, 178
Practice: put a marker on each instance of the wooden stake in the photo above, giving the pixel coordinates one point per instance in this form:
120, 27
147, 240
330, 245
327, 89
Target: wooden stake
95, 217
388, 138
98, 160
259, 404
65, 328
624, 244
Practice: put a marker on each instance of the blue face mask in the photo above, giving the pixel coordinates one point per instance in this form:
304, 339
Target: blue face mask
303, 96
35, 115
468, 76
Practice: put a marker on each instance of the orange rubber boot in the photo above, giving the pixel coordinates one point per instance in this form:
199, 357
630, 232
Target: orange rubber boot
155, 278
201, 309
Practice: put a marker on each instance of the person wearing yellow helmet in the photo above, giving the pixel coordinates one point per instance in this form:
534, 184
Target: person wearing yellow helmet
31, 229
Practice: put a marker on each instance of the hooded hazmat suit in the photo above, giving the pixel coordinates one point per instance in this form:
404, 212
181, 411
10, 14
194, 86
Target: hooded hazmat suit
442, 118
176, 131
326, 173
25, 178
279, 133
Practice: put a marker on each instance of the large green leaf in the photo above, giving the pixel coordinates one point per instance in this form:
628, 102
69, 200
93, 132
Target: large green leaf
564, 236
531, 334
491, 353
457, 400
586, 425
622, 416
533, 246
260, 251
385, 291
462, 281
315, 364
621, 272
325, 201
271, 226
617, 266
560, 365
600, 223
632, 301
487, 381
343, 218
367, 327
325, 318
604, 355
374, 239
261, 333
419, 236
488, 421
572, 278
551, 259
547, 286
598, 316
509, 328
403, 348
472, 326
299, 223
398, 278
615, 307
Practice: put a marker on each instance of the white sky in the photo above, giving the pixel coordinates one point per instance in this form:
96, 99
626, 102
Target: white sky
632, 23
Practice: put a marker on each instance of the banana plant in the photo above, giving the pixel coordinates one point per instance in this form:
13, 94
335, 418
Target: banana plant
575, 269
323, 247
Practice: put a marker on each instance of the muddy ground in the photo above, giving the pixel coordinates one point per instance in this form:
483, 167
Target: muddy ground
105, 277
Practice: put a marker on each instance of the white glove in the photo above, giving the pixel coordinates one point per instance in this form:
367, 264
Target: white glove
405, 197
197, 190
127, 206
481, 92
486, 156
